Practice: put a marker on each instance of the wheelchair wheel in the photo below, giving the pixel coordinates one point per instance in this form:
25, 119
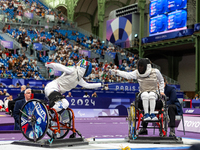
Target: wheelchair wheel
65, 120
132, 122
34, 120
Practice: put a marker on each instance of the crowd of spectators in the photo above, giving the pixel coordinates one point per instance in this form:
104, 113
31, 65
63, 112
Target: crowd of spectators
13, 9
15, 12
66, 53
18, 66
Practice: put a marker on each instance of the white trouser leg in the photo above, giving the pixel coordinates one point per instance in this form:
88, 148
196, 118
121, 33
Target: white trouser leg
62, 104
152, 100
145, 101
65, 103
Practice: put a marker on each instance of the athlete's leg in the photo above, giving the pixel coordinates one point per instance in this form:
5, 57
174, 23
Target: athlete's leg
145, 102
152, 100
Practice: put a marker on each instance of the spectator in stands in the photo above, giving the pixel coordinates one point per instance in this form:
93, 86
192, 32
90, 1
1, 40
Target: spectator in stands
4, 30
124, 64
5, 74
102, 54
28, 85
11, 86
69, 94
5, 92
9, 76
34, 61
9, 107
18, 85
196, 97
37, 77
94, 94
28, 75
86, 95
19, 74
10, 65
4, 55
1, 85
106, 87
18, 106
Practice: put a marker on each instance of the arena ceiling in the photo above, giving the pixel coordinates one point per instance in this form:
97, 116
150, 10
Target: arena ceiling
88, 8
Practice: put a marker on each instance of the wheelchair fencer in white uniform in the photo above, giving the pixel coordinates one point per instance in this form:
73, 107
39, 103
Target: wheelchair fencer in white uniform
147, 78
71, 77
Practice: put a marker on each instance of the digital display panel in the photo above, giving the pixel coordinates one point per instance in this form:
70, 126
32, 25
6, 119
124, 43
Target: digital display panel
158, 24
177, 19
158, 7
176, 4
167, 16
152, 9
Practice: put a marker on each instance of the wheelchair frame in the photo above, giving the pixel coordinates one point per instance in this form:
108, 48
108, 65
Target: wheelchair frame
135, 116
35, 111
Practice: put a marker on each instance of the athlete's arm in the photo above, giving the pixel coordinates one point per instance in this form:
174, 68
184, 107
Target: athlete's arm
84, 84
161, 81
60, 67
127, 75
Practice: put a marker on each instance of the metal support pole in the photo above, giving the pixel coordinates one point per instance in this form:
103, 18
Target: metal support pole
101, 15
141, 6
197, 48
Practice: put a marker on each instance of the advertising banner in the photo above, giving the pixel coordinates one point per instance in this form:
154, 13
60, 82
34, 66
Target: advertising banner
119, 30
111, 54
100, 103
166, 36
125, 90
191, 111
192, 124
37, 46
7, 44
85, 53
28, 15
95, 112
51, 17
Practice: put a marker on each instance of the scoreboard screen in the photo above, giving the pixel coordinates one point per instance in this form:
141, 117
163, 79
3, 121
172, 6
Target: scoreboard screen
167, 16
177, 19
158, 24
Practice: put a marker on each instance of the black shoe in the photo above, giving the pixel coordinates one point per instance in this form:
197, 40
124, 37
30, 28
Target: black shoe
172, 134
8, 113
143, 131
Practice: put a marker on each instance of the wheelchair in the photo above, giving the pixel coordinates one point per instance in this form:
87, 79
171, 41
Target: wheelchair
136, 113
37, 119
